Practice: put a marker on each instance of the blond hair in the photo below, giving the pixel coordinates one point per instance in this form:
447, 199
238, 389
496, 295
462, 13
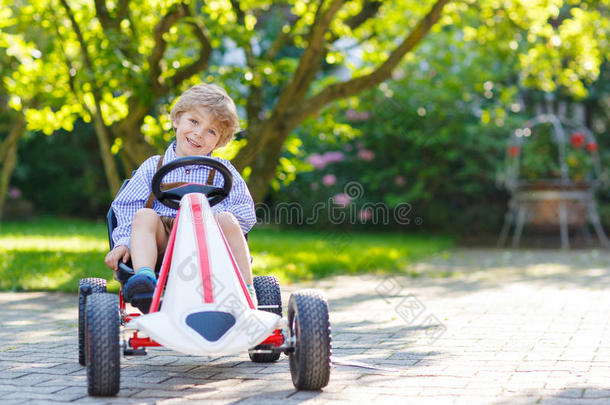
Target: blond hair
216, 101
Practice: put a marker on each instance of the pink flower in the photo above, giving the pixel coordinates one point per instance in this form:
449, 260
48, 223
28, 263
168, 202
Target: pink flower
14, 193
331, 157
316, 161
400, 181
365, 214
366, 155
329, 180
357, 115
342, 199
320, 161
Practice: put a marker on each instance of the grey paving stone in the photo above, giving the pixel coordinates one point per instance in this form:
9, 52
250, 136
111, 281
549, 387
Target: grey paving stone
511, 337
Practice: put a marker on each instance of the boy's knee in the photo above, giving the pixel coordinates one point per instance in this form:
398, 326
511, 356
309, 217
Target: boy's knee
227, 221
145, 217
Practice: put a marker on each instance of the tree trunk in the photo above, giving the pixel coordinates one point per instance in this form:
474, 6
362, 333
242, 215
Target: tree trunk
135, 149
103, 139
9, 157
264, 167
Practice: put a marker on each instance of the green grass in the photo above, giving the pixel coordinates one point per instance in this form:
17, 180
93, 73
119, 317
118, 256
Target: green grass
53, 254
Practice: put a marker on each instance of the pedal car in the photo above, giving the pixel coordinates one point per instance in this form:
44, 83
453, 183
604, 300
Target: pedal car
200, 305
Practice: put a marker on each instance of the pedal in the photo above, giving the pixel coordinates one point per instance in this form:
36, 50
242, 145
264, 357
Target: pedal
142, 301
132, 352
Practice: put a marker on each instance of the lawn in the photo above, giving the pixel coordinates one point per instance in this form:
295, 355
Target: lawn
52, 254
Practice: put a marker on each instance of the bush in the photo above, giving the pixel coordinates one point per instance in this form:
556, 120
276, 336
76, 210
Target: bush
63, 174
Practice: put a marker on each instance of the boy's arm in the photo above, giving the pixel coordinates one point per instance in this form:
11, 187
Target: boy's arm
239, 202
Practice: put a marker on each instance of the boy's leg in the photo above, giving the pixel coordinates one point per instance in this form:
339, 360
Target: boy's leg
148, 238
237, 242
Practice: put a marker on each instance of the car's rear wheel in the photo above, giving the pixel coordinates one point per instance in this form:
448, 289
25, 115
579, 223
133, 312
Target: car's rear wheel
86, 287
269, 299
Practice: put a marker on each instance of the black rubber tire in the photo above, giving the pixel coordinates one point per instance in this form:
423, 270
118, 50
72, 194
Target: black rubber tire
103, 351
95, 285
267, 293
310, 362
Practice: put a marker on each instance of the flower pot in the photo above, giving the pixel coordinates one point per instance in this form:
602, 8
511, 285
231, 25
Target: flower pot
543, 203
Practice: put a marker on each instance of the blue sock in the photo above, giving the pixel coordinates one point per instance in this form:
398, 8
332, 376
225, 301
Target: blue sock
147, 271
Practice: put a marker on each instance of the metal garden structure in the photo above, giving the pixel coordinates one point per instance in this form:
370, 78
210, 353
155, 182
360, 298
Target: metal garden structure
552, 172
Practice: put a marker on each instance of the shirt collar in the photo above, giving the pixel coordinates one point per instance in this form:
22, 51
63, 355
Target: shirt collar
170, 153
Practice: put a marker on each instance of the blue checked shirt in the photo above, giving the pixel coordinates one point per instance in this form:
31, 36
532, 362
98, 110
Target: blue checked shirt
135, 194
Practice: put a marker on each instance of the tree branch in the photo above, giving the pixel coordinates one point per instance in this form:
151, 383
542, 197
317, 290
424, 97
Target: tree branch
254, 102
102, 14
8, 156
174, 14
369, 9
238, 12
383, 72
71, 81
122, 11
204, 52
137, 108
17, 127
81, 39
281, 39
106, 20
241, 19
309, 62
101, 130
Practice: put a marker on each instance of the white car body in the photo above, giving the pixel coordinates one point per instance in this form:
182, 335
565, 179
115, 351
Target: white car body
206, 308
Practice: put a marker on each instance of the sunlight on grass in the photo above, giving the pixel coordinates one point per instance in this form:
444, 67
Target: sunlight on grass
39, 243
304, 255
53, 254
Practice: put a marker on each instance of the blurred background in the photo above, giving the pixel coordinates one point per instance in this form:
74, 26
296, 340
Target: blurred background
399, 114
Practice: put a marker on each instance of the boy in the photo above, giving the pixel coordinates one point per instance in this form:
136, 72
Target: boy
204, 119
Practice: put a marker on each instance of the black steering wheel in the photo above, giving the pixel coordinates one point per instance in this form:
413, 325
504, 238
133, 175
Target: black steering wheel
171, 198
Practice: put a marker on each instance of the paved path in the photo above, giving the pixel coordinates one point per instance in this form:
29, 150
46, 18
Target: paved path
505, 328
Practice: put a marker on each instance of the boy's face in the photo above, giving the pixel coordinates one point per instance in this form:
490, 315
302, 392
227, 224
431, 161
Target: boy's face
197, 133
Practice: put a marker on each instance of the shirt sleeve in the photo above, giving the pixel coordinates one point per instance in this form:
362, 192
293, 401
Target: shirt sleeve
239, 202
130, 199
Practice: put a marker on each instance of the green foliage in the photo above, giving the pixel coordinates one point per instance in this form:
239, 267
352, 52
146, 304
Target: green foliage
439, 132
441, 126
63, 174
539, 156
437, 135
53, 254
560, 44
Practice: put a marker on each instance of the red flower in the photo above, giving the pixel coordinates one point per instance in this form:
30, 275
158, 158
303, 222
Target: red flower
513, 151
578, 139
591, 146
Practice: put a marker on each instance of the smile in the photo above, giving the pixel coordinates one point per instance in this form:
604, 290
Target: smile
192, 143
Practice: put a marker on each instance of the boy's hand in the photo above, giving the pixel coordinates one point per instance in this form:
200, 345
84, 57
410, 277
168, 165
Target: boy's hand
120, 252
